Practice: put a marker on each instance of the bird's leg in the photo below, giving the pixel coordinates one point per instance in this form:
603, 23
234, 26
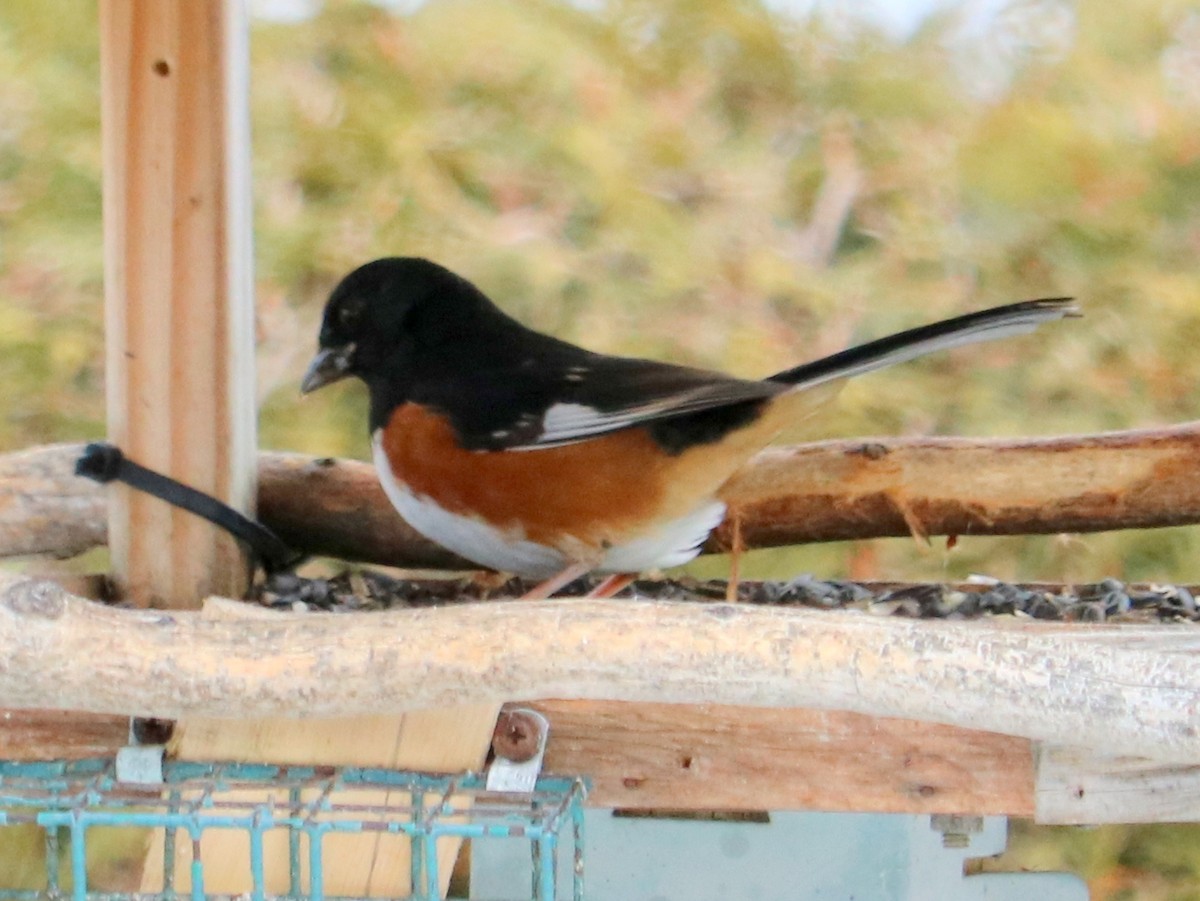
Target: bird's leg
543, 590
735, 558
611, 585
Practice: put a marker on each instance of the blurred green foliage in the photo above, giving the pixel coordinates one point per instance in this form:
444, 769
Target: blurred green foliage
707, 182
1120, 863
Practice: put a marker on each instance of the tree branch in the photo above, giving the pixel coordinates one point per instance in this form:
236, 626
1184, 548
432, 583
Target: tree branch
45, 508
829, 491
838, 490
1128, 690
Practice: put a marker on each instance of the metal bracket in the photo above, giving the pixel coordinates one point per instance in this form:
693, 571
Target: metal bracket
956, 830
519, 743
140, 764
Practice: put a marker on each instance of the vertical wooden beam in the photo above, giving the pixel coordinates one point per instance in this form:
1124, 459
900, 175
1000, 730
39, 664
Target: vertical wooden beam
178, 286
178, 300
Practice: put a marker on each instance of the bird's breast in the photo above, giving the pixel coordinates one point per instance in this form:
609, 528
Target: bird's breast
580, 501
592, 490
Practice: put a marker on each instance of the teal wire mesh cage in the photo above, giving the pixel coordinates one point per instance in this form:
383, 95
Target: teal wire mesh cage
87, 836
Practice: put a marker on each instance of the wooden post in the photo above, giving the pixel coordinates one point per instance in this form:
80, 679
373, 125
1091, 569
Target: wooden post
178, 286
179, 307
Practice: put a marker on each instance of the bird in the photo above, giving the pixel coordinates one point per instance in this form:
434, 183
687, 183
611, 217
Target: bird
529, 455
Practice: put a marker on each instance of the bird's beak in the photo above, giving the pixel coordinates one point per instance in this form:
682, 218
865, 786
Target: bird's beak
328, 366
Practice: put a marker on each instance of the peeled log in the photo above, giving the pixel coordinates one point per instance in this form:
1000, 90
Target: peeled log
1131, 690
830, 491
45, 508
336, 508
332, 508
838, 490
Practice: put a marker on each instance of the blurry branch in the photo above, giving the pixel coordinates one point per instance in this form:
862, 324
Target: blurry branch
816, 243
829, 491
1127, 689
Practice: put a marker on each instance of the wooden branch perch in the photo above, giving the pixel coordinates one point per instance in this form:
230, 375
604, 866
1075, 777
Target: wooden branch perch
1127, 690
45, 508
838, 490
831, 491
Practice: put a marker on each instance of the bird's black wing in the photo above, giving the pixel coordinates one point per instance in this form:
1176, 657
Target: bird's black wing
555, 400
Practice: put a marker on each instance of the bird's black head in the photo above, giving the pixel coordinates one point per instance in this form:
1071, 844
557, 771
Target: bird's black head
383, 314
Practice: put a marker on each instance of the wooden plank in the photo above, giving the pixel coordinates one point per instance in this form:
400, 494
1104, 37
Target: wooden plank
746, 758
1083, 786
737, 758
718, 757
178, 288
60, 734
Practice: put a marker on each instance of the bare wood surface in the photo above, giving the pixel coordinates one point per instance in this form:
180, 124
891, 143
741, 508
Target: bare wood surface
178, 289
838, 490
55, 734
647, 756
333, 508
45, 509
1078, 786
1127, 690
356, 865
336, 508
819, 492
719, 757
749, 758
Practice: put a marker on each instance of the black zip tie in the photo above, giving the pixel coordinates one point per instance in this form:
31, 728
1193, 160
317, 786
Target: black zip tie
104, 463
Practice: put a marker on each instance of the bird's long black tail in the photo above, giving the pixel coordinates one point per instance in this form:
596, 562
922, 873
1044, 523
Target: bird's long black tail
986, 325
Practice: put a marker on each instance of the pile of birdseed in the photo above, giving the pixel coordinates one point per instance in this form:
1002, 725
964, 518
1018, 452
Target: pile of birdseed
1106, 601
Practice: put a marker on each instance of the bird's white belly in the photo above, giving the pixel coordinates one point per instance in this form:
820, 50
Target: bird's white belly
668, 544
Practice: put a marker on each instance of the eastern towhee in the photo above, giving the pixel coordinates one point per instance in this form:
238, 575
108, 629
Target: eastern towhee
530, 455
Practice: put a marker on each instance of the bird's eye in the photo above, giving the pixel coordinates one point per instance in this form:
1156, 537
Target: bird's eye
349, 313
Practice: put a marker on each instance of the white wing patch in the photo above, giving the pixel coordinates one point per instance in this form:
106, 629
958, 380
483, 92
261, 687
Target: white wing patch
565, 423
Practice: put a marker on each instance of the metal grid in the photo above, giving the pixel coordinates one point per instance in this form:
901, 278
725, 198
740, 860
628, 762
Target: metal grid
310, 803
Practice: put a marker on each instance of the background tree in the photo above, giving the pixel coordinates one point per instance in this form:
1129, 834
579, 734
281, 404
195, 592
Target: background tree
706, 181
